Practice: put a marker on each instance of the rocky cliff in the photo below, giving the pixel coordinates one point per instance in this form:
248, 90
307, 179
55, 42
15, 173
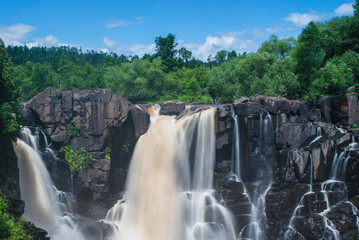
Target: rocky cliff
300, 146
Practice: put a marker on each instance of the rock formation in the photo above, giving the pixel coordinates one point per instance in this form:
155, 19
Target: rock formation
306, 137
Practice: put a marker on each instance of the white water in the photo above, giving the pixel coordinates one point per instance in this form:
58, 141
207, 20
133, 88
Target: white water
333, 191
169, 188
37, 190
256, 189
236, 149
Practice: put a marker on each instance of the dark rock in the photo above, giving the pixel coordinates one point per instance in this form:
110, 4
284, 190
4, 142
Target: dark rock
343, 217
93, 113
281, 201
35, 232
16, 207
172, 107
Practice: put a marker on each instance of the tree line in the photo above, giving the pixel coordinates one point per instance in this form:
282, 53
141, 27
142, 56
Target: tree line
323, 60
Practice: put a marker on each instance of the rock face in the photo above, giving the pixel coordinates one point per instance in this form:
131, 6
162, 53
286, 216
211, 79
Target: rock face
172, 107
297, 141
92, 120
16, 209
307, 139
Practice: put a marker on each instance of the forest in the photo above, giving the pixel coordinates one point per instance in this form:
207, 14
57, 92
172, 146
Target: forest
322, 60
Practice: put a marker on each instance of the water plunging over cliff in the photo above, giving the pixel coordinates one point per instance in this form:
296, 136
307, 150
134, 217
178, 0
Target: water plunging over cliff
42, 206
261, 174
318, 202
169, 188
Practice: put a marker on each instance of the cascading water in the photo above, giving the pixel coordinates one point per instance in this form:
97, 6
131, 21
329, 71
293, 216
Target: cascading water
332, 192
169, 188
255, 189
236, 161
41, 204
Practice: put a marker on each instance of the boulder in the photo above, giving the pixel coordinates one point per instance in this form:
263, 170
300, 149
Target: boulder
172, 107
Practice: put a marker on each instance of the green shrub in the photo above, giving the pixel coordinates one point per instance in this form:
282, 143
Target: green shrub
126, 147
79, 159
74, 131
108, 153
11, 227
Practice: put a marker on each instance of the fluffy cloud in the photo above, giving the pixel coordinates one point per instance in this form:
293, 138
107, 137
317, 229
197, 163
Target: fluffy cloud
214, 44
48, 41
344, 9
302, 19
141, 49
109, 43
15, 34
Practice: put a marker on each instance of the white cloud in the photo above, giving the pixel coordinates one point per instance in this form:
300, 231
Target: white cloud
15, 34
344, 9
48, 41
302, 19
118, 23
261, 33
214, 44
122, 23
142, 49
109, 43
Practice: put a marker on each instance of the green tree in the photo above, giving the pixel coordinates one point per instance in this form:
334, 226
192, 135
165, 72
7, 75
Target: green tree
166, 46
221, 56
332, 79
231, 55
223, 82
279, 81
166, 50
354, 29
10, 107
10, 122
335, 35
138, 81
279, 48
309, 54
185, 55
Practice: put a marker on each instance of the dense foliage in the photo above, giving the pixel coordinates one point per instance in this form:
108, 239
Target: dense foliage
77, 159
10, 120
10, 107
10, 226
323, 60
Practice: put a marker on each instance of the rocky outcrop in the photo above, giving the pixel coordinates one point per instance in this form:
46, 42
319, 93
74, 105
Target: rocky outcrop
91, 120
307, 139
172, 107
16, 209
297, 141
81, 118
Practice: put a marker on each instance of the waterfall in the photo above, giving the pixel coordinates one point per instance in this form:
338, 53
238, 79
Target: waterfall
42, 206
332, 192
256, 188
236, 155
169, 191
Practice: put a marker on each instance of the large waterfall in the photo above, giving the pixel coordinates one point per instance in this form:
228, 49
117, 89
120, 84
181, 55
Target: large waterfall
169, 190
42, 205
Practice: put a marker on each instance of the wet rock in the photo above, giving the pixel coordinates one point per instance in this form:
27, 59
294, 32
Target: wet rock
16, 207
172, 107
36, 233
281, 201
343, 217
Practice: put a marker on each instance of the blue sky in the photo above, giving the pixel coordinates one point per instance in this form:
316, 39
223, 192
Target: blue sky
130, 27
